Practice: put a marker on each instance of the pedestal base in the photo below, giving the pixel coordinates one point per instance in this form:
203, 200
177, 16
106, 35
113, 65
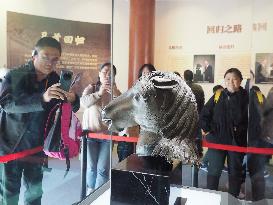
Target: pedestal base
141, 181
180, 201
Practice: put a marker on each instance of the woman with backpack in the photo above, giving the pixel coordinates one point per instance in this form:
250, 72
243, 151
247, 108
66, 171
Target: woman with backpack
224, 120
93, 99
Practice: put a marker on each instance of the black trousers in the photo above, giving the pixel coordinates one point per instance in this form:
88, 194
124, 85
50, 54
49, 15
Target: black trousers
255, 164
32, 175
216, 159
124, 149
1, 182
256, 167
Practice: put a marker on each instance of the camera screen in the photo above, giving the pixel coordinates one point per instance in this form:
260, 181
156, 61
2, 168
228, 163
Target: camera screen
67, 76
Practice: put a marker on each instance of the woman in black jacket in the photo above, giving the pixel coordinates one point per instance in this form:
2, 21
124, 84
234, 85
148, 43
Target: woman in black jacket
256, 162
224, 120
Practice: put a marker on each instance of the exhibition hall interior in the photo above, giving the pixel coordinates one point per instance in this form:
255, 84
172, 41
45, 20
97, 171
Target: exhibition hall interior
136, 102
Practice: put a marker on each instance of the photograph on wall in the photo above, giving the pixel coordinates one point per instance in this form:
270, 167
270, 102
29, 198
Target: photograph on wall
264, 68
203, 68
85, 46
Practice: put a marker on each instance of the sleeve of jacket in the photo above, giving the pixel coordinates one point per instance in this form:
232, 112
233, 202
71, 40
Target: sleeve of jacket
88, 98
268, 105
76, 104
202, 99
207, 115
245, 112
15, 99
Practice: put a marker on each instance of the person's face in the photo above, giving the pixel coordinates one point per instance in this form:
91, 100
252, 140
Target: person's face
219, 89
105, 73
46, 60
232, 82
264, 62
145, 71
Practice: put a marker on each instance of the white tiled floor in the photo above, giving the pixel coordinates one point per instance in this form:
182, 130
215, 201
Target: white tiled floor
57, 189
194, 197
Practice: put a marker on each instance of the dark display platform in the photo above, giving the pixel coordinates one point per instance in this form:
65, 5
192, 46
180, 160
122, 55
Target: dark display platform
180, 201
141, 181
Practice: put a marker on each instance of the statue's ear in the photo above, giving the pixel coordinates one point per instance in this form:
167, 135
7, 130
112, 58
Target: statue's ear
164, 95
163, 83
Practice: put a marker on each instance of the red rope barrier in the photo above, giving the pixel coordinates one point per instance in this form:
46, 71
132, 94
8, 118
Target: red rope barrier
112, 137
18, 155
254, 150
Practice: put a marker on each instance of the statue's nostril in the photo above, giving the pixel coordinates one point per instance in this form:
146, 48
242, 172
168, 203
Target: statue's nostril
107, 121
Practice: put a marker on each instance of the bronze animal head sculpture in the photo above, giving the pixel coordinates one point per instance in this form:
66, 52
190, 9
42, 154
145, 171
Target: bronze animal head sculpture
164, 107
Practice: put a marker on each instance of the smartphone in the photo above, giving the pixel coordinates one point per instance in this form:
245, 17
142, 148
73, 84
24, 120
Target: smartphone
110, 78
66, 79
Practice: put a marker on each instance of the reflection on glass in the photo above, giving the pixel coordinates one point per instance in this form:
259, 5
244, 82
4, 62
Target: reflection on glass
28, 93
254, 164
94, 98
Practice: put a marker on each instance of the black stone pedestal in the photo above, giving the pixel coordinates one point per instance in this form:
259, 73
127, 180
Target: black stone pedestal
180, 201
141, 181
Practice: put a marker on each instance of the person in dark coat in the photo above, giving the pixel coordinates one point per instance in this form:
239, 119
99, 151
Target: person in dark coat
224, 120
27, 94
205, 161
208, 72
200, 100
196, 89
256, 162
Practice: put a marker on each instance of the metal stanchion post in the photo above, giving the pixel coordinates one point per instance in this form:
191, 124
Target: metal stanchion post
194, 176
83, 163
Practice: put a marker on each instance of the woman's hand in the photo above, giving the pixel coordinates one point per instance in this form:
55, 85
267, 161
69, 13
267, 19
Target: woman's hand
204, 134
104, 88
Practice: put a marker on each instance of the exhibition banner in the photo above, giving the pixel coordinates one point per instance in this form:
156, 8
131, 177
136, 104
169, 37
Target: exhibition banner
85, 46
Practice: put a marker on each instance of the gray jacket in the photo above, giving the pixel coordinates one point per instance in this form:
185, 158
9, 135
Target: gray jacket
23, 113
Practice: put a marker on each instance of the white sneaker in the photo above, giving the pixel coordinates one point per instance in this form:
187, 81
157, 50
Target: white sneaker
266, 174
241, 195
89, 191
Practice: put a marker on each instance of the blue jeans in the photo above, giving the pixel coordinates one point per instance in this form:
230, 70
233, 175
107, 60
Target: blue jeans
98, 162
1, 182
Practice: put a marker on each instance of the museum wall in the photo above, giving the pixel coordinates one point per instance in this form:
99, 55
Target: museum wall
232, 31
94, 11
183, 31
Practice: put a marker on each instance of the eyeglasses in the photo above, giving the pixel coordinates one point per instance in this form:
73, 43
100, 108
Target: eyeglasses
47, 60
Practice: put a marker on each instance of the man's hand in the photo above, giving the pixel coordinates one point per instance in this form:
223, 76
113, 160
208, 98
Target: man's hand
70, 96
53, 92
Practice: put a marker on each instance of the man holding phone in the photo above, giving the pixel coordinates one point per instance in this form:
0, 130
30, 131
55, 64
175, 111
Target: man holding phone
27, 95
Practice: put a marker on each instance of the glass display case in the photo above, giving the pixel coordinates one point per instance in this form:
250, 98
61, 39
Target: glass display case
173, 98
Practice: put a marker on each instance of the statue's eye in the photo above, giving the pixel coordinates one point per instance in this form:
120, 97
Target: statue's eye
136, 97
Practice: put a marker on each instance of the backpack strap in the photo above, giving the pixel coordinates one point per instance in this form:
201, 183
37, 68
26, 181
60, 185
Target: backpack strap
65, 121
52, 111
260, 97
217, 95
65, 124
